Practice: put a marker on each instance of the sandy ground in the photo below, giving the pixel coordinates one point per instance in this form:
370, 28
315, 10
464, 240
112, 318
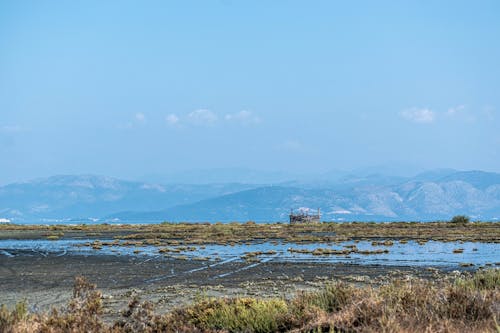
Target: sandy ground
45, 280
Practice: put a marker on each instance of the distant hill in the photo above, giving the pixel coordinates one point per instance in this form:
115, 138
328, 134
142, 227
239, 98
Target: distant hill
427, 196
89, 196
478, 179
437, 194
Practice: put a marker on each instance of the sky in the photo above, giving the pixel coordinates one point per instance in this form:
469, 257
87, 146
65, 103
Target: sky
135, 88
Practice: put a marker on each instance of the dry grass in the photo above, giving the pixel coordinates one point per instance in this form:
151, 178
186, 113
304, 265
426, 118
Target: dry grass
167, 234
467, 304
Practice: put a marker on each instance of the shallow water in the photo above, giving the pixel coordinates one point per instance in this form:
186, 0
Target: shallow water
432, 253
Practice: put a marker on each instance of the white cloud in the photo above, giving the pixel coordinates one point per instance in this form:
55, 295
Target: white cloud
453, 111
140, 117
172, 119
202, 117
419, 115
342, 211
461, 113
243, 117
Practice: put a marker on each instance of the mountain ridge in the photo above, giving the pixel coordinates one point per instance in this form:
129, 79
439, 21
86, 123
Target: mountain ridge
435, 194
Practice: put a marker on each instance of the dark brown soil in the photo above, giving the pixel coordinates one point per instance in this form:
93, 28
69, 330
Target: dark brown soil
46, 280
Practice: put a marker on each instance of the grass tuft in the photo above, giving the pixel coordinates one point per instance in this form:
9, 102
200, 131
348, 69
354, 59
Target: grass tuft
467, 304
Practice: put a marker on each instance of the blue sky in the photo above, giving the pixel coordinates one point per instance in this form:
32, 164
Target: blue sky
129, 88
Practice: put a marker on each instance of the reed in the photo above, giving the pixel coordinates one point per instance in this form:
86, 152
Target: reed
465, 304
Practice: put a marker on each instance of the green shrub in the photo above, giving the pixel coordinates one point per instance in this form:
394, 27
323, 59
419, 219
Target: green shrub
238, 314
460, 219
9, 318
487, 279
331, 298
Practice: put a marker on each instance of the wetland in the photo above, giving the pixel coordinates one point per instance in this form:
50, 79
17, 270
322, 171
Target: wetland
172, 265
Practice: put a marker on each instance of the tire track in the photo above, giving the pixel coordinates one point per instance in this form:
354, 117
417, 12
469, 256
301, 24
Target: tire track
268, 259
160, 278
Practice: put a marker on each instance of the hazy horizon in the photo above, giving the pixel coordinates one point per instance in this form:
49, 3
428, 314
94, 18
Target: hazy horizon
265, 177
131, 90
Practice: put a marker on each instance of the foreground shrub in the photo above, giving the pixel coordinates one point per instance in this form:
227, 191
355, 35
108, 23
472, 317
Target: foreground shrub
139, 317
468, 304
488, 279
9, 318
82, 313
333, 297
235, 315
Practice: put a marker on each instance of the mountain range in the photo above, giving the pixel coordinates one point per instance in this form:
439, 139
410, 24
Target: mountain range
431, 195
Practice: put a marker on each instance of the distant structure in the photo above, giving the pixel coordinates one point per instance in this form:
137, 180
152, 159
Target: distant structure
303, 217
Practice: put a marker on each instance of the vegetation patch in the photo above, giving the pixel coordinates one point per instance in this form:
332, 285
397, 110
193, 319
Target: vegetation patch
192, 234
466, 304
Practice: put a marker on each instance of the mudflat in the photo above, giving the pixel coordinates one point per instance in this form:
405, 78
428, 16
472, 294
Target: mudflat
47, 280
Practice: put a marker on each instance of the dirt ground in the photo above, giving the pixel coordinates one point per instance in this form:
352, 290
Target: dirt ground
45, 280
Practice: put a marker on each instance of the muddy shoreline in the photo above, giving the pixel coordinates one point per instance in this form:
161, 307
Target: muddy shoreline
46, 280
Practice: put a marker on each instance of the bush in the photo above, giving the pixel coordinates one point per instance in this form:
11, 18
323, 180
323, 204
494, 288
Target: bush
488, 279
331, 298
83, 313
468, 304
139, 317
460, 219
9, 318
237, 314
